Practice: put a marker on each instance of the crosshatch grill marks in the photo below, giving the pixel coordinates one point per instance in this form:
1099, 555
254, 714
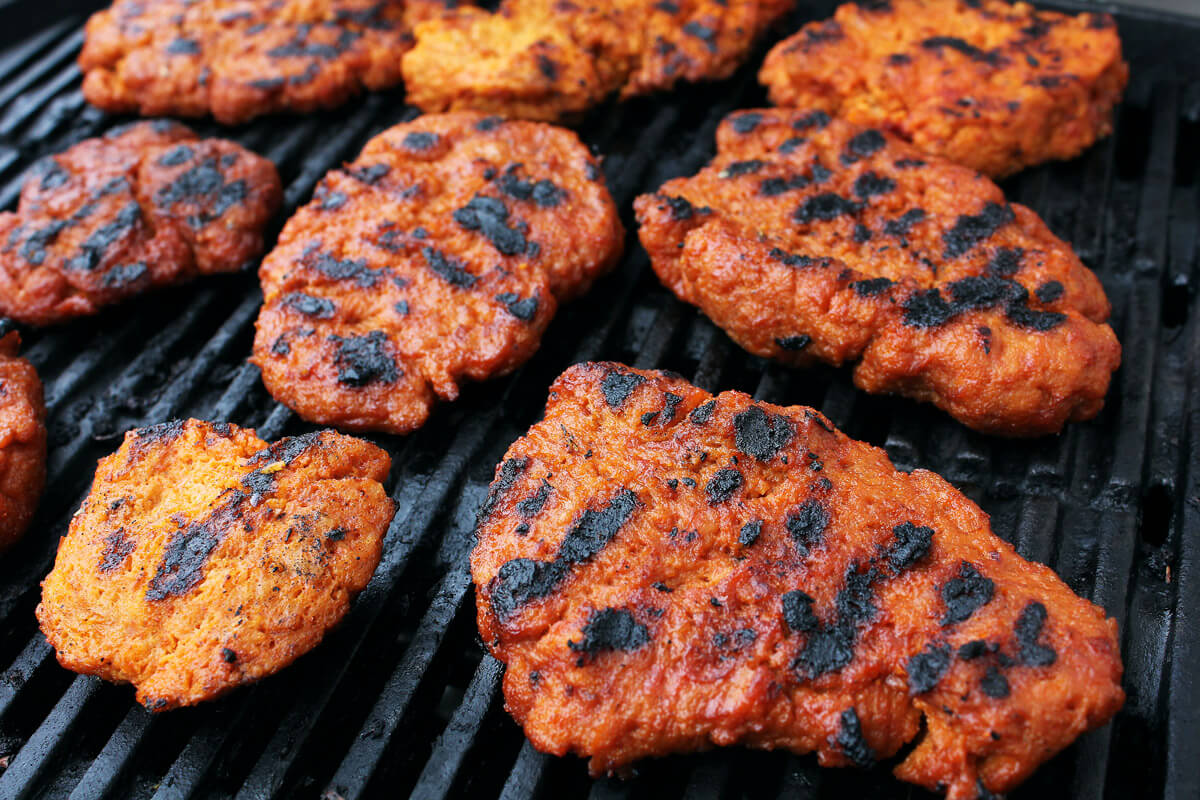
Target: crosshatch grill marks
732, 544
834, 247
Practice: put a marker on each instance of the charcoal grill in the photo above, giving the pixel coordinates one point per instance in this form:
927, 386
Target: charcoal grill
401, 699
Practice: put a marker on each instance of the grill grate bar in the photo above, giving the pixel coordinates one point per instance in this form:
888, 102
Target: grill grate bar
35, 655
29, 103
19, 55
451, 747
527, 775
46, 743
14, 88
111, 762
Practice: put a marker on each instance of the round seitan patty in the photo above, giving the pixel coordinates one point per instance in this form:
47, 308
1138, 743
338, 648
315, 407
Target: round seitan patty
204, 558
436, 257
237, 60
145, 205
22, 438
985, 83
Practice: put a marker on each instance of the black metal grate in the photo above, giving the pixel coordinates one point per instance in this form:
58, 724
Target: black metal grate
400, 699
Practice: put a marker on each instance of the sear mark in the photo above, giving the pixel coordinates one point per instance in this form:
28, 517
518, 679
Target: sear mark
971, 229
926, 668
362, 360
966, 594
798, 612
850, 740
617, 386
722, 485
489, 216
611, 629
806, 524
762, 435
1028, 629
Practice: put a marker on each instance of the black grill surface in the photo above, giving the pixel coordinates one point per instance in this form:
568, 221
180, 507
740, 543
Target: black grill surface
401, 699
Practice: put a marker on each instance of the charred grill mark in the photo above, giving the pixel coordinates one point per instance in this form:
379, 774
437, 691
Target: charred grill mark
739, 168
870, 184
994, 684
522, 579
611, 629
420, 140
523, 309
95, 246
704, 33
542, 192
702, 413
1028, 629
617, 386
532, 506
117, 547
900, 226
871, 287
489, 217
189, 548
1049, 291
362, 360
911, 545
965, 594
971, 229
204, 185
746, 123
798, 612
506, 478
306, 304
824, 207
449, 269
762, 435
863, 145
750, 532
340, 269
926, 668
938, 43
806, 524
850, 740
722, 485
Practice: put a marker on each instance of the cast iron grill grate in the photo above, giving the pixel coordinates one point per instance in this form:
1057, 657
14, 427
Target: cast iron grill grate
400, 699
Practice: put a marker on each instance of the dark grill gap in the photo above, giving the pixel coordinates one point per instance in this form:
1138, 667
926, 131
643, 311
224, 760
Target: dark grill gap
400, 699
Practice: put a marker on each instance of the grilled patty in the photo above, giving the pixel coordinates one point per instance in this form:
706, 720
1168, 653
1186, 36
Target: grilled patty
438, 256
22, 438
994, 86
204, 558
662, 571
236, 59
809, 238
145, 205
550, 59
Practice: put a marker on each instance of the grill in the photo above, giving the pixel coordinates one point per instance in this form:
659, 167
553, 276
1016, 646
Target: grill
401, 698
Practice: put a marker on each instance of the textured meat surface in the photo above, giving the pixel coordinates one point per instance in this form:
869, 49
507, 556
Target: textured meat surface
145, 205
808, 238
438, 256
662, 570
553, 59
22, 438
204, 558
994, 86
237, 59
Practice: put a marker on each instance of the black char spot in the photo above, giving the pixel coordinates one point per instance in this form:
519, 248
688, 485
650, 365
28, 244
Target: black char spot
308, 305
994, 684
760, 434
617, 386
903, 224
850, 739
806, 524
870, 184
871, 286
750, 532
532, 506
182, 565
365, 359
739, 168
911, 545
489, 216
966, 594
971, 229
448, 269
1049, 291
611, 629
926, 668
702, 413
745, 123
1028, 629
117, 547
524, 310
824, 206
798, 612
863, 145
722, 485
506, 477
794, 343
420, 140
925, 308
